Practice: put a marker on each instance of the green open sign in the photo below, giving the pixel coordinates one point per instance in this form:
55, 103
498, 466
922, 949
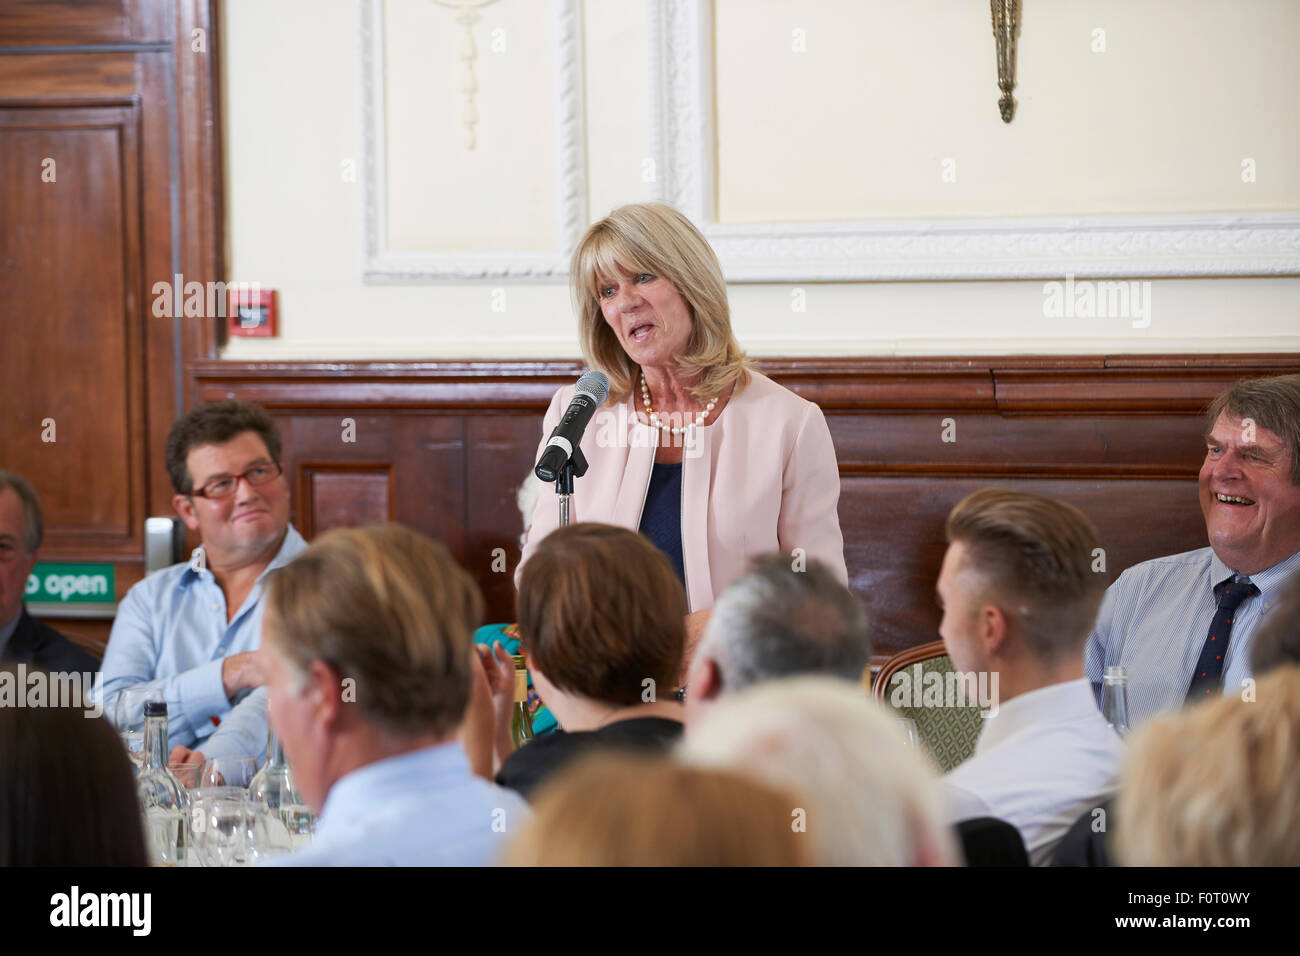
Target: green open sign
61, 583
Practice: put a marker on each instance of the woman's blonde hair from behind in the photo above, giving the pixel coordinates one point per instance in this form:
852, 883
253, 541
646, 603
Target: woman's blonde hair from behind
1216, 784
622, 810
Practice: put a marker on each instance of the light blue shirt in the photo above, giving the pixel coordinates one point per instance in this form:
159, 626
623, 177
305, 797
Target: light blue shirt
1154, 622
171, 632
424, 808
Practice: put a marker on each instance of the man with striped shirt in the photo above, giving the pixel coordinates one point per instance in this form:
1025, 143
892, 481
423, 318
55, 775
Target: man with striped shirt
1181, 625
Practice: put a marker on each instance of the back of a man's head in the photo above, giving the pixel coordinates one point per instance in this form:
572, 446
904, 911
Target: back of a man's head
783, 617
1033, 557
389, 609
870, 799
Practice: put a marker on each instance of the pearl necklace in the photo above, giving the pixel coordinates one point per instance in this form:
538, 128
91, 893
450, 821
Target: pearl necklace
700, 417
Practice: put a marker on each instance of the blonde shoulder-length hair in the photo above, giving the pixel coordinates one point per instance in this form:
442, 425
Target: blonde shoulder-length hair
654, 238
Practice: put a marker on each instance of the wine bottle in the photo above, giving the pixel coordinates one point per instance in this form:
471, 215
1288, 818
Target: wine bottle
268, 783
521, 727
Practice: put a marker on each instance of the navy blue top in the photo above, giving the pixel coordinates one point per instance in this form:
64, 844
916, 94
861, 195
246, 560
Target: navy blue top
661, 520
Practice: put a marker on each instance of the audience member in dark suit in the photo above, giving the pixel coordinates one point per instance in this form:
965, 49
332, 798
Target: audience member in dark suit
23, 639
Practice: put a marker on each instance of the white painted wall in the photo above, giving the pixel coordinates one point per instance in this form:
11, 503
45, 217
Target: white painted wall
855, 127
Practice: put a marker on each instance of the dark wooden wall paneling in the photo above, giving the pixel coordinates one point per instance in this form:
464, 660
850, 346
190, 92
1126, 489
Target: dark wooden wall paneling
116, 93
442, 446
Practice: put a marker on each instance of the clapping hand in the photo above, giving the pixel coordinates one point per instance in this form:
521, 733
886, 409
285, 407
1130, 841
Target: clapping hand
485, 730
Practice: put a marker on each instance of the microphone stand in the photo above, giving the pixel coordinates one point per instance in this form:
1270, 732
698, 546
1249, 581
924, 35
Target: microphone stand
575, 467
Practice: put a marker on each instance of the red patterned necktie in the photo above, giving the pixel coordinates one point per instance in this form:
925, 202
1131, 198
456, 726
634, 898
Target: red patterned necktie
1207, 679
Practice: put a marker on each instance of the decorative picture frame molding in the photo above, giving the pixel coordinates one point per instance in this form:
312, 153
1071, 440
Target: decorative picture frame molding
381, 265
682, 124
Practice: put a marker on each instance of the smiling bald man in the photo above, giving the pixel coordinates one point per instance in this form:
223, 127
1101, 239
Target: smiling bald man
1181, 625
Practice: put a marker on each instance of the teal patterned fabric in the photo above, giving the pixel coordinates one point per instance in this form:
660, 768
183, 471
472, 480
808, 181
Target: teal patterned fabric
923, 692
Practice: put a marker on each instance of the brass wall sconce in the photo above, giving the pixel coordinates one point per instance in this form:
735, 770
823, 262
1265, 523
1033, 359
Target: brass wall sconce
1006, 21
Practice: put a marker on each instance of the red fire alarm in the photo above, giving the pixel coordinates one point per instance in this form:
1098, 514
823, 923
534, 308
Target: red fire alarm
251, 313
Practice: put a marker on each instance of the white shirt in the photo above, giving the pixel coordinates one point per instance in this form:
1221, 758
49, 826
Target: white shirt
1040, 762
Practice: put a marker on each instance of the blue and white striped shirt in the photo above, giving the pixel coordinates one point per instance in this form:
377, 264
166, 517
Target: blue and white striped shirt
1155, 619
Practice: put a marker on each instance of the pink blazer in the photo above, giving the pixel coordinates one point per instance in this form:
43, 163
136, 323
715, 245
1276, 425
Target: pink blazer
761, 477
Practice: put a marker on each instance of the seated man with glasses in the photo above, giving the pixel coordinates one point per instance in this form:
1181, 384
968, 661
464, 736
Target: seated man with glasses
192, 631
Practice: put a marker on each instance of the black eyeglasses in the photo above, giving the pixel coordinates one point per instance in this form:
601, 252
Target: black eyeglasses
225, 487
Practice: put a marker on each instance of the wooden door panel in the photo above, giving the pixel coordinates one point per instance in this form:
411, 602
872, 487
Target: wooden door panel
70, 287
120, 97
59, 22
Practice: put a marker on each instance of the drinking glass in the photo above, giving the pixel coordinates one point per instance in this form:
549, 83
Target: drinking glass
908, 726
267, 834
219, 821
186, 773
296, 815
231, 770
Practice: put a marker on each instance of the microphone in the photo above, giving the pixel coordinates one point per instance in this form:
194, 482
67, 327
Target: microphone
593, 390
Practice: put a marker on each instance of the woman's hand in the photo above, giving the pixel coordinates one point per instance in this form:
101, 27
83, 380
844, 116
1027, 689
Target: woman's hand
500, 669
477, 728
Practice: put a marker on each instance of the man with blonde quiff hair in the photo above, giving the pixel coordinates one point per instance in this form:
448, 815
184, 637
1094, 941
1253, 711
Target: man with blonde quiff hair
369, 647
1019, 595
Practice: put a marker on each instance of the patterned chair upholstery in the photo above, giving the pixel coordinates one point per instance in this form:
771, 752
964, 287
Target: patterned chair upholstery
948, 732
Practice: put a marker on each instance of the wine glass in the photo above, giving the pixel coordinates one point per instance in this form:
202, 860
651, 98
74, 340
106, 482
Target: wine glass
230, 770
128, 717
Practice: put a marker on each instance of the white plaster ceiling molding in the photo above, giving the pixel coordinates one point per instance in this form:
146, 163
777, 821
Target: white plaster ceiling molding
383, 264
682, 103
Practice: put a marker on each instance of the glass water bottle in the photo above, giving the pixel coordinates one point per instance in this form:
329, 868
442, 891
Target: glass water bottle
162, 798
1114, 699
268, 783
289, 819
521, 727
